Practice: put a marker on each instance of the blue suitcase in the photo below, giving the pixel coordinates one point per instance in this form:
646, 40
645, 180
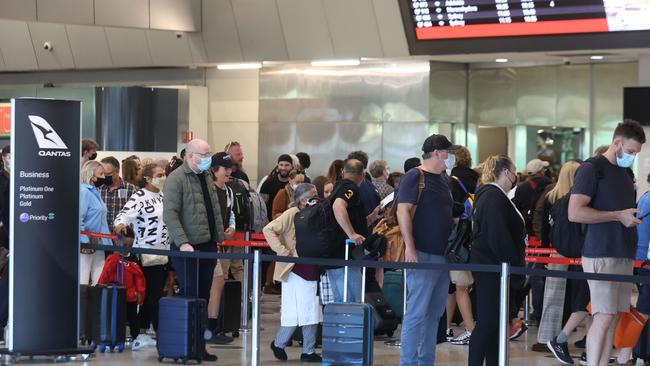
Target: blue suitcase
348, 331
181, 326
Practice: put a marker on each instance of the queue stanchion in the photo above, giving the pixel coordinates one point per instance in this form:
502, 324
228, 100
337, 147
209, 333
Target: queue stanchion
244, 326
527, 308
504, 314
255, 340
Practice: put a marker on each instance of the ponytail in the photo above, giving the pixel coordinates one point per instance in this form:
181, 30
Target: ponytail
493, 166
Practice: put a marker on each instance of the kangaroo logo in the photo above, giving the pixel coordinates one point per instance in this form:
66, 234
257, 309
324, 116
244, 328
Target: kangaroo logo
45, 135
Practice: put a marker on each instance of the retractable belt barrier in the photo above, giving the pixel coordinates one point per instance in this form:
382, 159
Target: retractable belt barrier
504, 269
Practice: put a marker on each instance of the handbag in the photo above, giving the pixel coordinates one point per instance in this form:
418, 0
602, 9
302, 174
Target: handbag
628, 329
457, 250
150, 260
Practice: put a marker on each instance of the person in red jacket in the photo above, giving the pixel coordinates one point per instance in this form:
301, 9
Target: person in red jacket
135, 285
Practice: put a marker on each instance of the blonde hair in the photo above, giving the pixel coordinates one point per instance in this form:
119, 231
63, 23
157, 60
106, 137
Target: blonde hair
493, 166
88, 170
564, 182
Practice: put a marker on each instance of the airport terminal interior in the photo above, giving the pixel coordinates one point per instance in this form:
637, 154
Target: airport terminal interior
165, 95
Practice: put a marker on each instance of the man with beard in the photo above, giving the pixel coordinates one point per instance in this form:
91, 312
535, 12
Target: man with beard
270, 188
276, 182
236, 154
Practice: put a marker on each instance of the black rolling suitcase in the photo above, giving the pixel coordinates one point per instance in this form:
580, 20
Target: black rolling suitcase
386, 320
348, 330
85, 330
230, 309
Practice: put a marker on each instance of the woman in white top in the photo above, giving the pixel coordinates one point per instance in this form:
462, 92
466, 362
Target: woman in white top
144, 211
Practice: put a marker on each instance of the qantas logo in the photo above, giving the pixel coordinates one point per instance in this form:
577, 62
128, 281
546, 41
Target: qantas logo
47, 138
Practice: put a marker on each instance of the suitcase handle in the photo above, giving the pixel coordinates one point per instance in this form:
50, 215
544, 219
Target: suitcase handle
348, 243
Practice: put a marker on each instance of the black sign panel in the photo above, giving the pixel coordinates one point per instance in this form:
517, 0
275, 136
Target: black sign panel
44, 232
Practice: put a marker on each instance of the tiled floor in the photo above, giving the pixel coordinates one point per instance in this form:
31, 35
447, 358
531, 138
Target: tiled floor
237, 354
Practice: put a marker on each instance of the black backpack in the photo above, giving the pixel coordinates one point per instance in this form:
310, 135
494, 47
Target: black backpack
567, 237
317, 234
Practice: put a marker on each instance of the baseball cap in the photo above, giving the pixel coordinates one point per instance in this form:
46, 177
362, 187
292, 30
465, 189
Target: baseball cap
221, 159
438, 142
535, 166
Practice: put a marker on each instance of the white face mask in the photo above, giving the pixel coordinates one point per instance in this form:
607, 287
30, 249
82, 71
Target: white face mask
158, 182
8, 165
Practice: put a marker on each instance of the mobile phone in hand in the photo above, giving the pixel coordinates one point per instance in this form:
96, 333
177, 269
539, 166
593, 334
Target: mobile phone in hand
644, 215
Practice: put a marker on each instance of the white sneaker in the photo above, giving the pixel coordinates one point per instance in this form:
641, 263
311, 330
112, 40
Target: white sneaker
143, 341
462, 339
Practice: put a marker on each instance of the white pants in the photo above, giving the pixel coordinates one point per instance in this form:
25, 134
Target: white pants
90, 267
299, 304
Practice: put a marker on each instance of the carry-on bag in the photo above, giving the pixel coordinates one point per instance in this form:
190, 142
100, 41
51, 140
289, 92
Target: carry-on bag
393, 291
182, 325
348, 329
230, 309
386, 320
109, 309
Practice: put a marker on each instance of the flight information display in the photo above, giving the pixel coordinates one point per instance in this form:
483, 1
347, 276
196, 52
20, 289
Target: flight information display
456, 19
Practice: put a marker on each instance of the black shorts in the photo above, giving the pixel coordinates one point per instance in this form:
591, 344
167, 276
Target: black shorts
578, 292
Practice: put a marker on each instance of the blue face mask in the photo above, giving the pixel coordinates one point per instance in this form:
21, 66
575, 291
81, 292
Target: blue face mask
626, 160
450, 162
205, 164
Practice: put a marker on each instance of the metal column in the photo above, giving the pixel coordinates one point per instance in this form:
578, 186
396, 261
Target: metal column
244, 327
255, 340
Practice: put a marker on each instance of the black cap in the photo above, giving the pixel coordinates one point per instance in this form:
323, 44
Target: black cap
221, 159
438, 142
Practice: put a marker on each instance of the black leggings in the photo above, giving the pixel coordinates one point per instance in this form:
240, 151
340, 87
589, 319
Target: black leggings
484, 343
155, 276
133, 318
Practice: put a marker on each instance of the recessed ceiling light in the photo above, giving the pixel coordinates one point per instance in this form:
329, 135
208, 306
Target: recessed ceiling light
326, 63
240, 66
597, 57
502, 60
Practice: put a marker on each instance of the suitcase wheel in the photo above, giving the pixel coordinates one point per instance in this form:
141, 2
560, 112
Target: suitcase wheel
160, 359
120, 347
102, 347
93, 346
184, 361
235, 334
390, 334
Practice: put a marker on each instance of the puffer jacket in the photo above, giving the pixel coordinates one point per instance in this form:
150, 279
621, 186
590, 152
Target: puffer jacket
184, 210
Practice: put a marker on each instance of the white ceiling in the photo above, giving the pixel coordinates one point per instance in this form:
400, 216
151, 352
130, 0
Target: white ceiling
231, 31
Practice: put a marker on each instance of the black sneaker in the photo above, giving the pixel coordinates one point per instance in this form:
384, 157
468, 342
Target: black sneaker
583, 359
581, 343
278, 352
449, 334
209, 357
312, 357
560, 351
221, 339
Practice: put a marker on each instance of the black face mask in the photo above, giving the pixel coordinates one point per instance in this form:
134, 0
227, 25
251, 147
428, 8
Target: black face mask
514, 183
99, 182
108, 181
93, 156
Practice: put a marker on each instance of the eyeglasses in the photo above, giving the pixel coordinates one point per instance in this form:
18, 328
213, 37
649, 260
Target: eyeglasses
206, 155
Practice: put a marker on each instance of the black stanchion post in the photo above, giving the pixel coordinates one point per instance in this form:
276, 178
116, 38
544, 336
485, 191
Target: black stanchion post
245, 293
504, 314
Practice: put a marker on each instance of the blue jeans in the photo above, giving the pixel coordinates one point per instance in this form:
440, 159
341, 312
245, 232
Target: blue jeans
336, 277
425, 302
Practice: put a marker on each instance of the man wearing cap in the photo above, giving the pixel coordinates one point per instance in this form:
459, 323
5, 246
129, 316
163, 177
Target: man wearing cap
221, 170
425, 231
531, 190
276, 182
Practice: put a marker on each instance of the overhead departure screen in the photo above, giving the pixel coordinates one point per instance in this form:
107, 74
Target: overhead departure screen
457, 19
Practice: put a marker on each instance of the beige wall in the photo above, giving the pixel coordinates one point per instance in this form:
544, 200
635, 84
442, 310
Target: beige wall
233, 104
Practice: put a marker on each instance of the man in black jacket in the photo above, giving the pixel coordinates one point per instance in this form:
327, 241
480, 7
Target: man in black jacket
530, 190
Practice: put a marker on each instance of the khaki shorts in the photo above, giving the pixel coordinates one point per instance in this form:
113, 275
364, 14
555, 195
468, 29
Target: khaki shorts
218, 270
609, 297
461, 278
